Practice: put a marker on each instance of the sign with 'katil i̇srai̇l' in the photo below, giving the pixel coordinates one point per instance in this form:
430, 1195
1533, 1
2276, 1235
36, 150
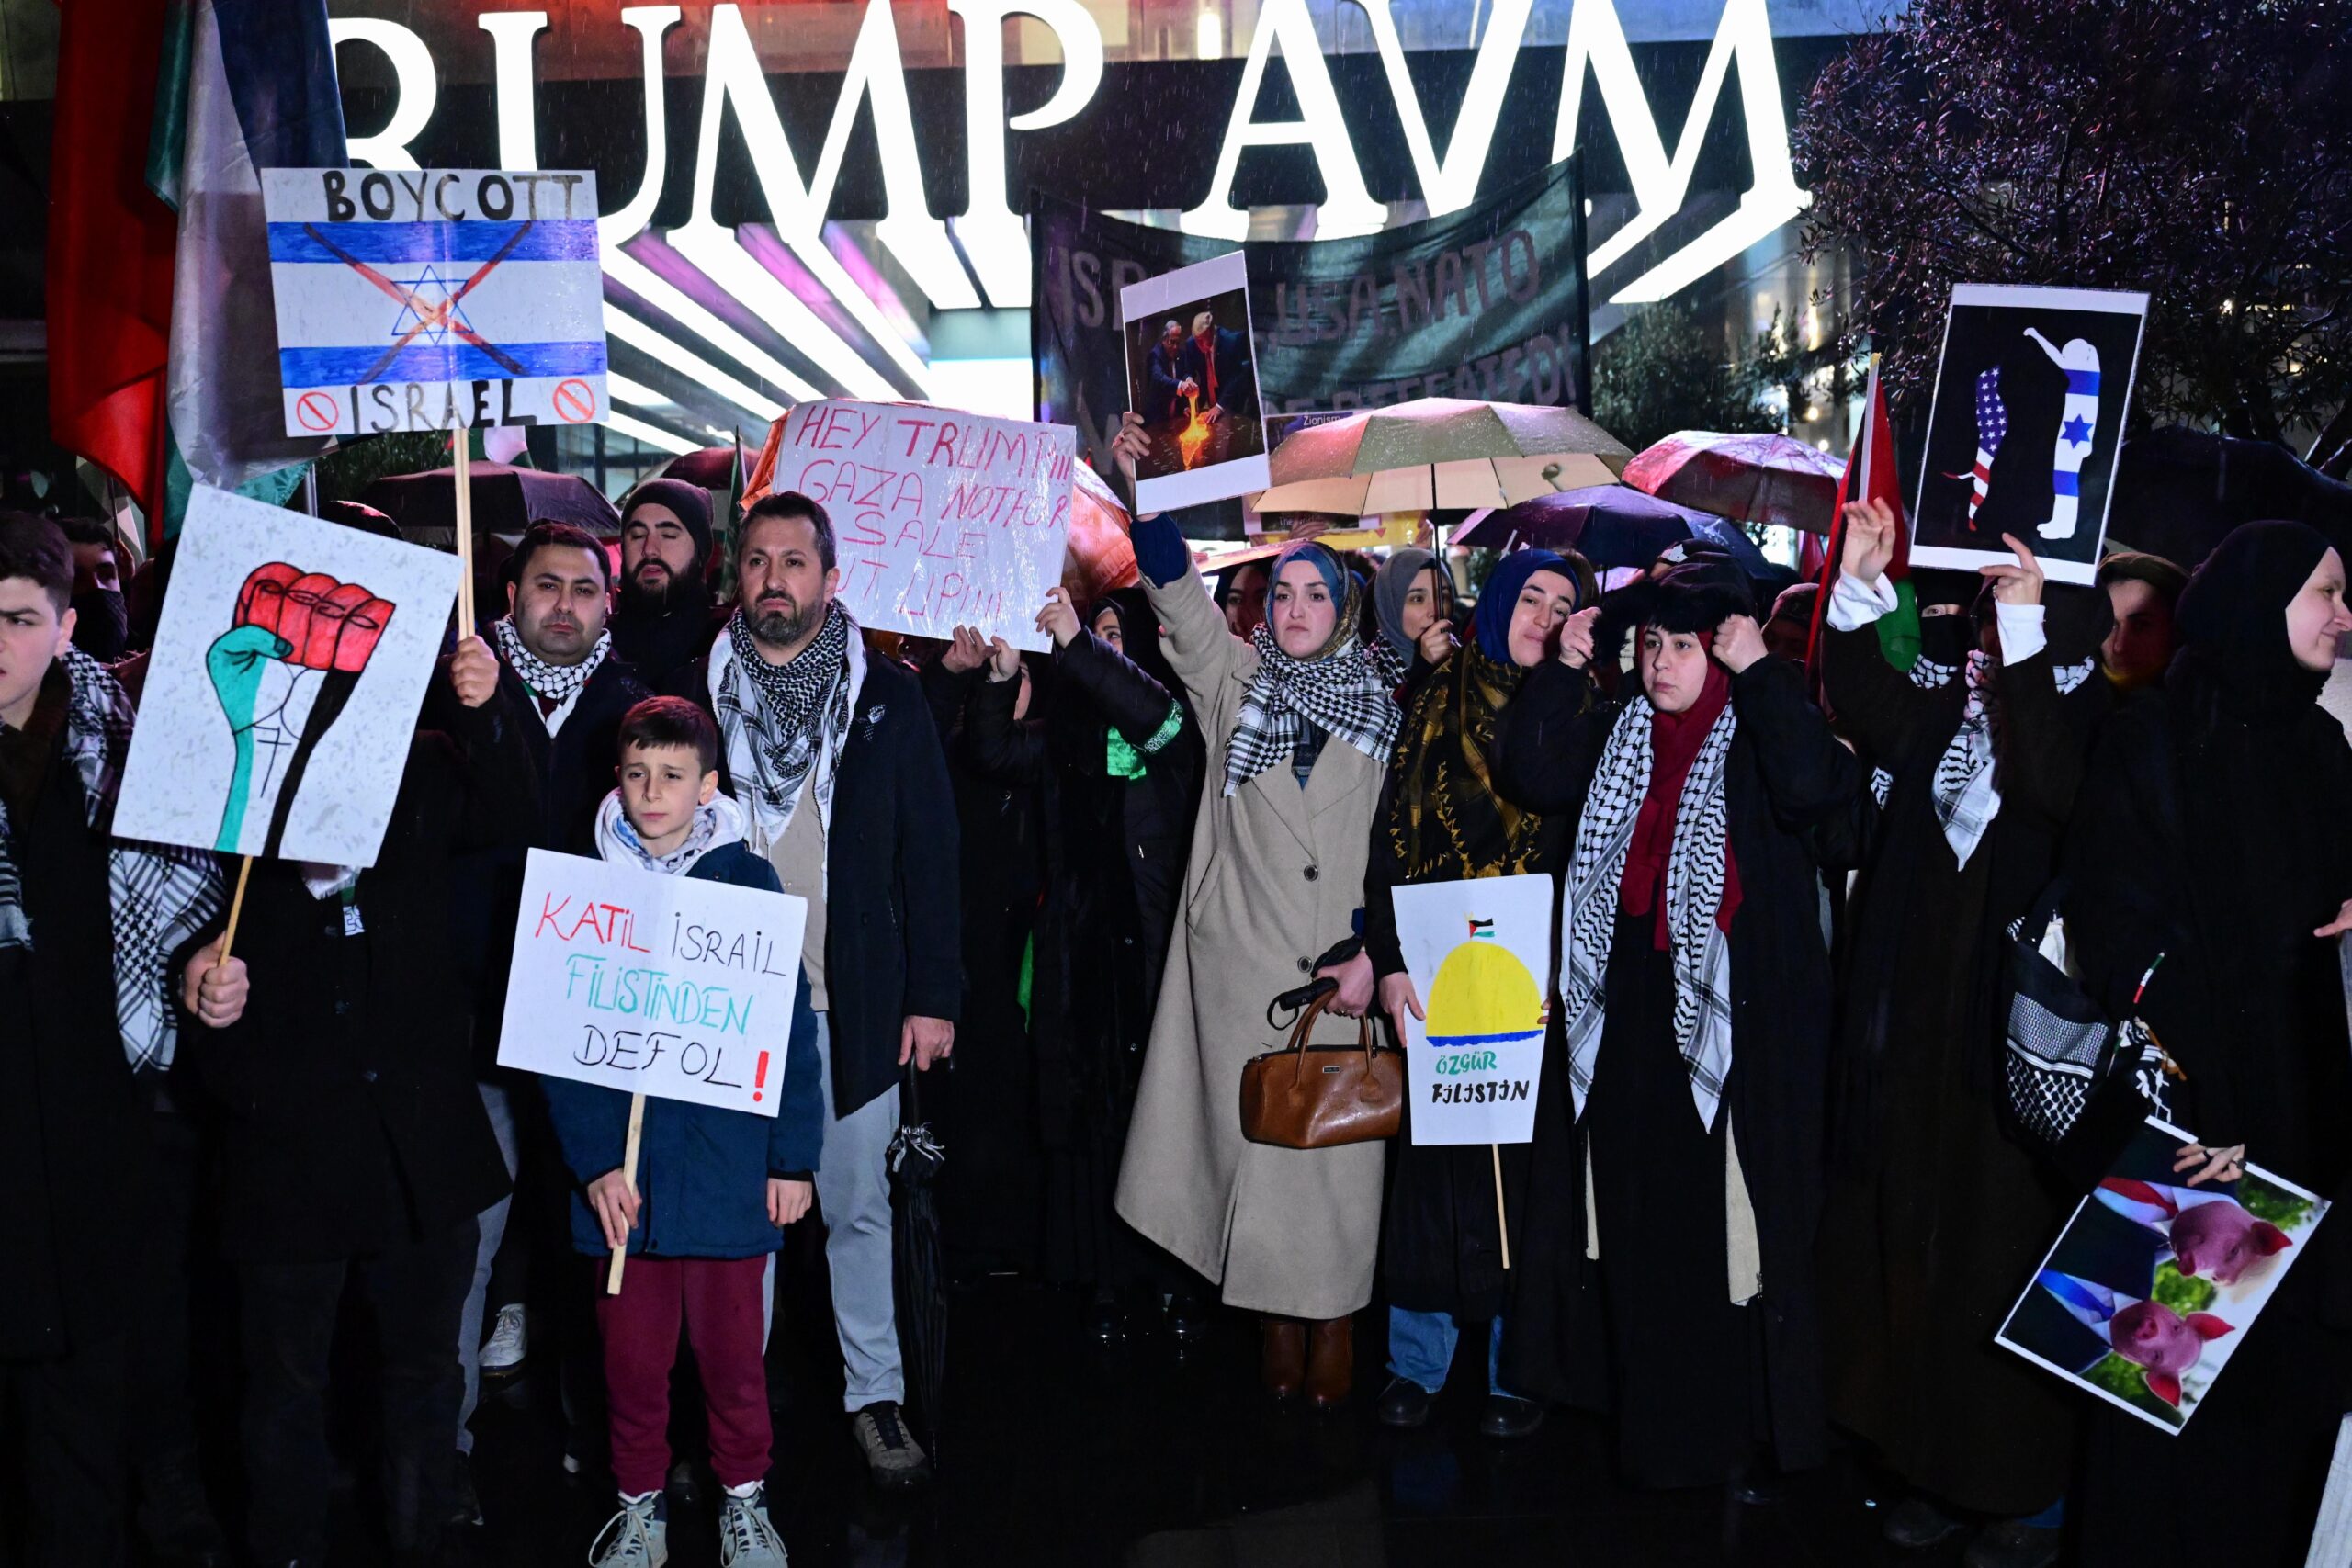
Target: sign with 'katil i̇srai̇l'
650, 984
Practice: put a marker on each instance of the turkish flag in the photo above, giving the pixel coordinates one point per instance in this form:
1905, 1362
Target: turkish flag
110, 244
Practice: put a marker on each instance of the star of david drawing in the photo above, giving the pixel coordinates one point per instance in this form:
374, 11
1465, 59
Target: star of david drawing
2076, 433
431, 309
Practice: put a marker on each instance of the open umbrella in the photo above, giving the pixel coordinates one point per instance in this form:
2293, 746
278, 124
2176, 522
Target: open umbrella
1756, 479
1098, 557
506, 501
1437, 452
1608, 525
919, 1282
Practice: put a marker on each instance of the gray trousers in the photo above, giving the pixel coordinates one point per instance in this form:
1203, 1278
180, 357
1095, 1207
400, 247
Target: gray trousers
854, 1193
493, 1231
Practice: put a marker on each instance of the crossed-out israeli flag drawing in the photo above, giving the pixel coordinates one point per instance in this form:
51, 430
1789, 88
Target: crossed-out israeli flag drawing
2077, 423
435, 300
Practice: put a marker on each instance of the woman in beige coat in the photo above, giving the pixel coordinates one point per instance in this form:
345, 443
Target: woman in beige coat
1300, 723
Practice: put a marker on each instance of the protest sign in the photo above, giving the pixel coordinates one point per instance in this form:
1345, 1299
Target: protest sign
435, 299
2153, 1283
1475, 951
1488, 301
941, 518
283, 684
1192, 375
648, 984
2025, 425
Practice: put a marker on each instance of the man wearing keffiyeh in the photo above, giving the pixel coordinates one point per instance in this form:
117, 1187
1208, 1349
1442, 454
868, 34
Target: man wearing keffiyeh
839, 770
88, 929
563, 690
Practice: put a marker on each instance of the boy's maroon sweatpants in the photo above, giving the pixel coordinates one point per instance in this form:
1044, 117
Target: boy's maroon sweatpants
720, 1300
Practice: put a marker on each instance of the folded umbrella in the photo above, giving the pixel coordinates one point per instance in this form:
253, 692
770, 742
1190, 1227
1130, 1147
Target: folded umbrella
1764, 480
918, 1280
1437, 452
1610, 525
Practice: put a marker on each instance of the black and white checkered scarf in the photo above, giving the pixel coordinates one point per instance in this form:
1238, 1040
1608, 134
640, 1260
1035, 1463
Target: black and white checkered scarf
784, 725
1348, 692
1694, 892
160, 896
1966, 797
556, 682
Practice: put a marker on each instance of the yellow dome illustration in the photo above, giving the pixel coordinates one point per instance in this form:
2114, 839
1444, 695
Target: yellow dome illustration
1483, 995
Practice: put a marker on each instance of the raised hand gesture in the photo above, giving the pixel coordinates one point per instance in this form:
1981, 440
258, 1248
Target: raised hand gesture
1870, 540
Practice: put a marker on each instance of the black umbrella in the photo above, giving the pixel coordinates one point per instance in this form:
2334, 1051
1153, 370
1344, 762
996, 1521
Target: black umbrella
1608, 525
506, 501
918, 1280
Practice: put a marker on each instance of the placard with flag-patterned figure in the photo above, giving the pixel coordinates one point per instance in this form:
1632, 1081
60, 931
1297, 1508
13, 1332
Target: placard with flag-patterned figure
2028, 418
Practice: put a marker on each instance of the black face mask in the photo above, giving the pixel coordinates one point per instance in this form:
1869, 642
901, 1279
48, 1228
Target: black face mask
101, 624
1948, 639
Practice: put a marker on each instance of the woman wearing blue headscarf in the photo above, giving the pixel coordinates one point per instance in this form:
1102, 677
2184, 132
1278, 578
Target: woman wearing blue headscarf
1440, 820
1299, 722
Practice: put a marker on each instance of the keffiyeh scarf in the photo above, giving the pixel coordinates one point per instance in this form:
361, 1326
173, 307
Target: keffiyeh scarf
1694, 891
557, 683
160, 896
717, 824
1963, 793
1347, 693
784, 725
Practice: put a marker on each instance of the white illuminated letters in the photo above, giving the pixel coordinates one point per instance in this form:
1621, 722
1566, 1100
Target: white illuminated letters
650, 22
1348, 208
992, 237
1597, 38
518, 116
415, 88
1450, 184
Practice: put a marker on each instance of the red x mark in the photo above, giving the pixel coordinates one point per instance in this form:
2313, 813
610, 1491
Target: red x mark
430, 316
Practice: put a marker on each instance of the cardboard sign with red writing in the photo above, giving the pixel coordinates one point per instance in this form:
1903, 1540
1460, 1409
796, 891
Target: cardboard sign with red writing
941, 518
651, 984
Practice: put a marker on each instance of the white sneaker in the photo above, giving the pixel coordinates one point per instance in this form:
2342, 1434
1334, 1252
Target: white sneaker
746, 1538
637, 1537
501, 1356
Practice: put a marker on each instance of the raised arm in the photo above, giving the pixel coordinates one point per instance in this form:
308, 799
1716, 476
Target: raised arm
1200, 647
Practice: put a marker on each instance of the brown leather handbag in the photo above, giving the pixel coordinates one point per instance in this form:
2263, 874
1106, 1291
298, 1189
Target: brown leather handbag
1319, 1097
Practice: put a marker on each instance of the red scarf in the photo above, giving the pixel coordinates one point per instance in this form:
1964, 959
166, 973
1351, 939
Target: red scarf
1675, 739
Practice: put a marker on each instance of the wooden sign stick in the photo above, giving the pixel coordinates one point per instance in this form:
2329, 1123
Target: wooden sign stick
628, 1179
236, 907
1502, 1216
461, 450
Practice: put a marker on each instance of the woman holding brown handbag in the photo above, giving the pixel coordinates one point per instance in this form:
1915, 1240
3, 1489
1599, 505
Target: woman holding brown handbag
1299, 721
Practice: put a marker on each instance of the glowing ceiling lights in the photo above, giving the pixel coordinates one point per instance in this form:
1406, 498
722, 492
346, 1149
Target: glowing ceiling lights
672, 302
650, 435
622, 326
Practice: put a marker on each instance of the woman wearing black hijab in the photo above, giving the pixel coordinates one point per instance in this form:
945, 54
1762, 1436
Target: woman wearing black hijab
1118, 759
1675, 1171
1935, 1213
2212, 831
1440, 820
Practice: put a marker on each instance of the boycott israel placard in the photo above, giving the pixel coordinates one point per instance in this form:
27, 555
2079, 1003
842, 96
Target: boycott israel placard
942, 518
652, 985
1476, 951
435, 299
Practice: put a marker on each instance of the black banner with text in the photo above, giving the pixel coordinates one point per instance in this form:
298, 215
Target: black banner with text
1488, 301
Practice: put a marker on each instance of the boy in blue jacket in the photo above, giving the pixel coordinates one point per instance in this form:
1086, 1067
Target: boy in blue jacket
714, 1187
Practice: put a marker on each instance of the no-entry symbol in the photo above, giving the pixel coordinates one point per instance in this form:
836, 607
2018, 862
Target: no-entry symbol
318, 410
575, 401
